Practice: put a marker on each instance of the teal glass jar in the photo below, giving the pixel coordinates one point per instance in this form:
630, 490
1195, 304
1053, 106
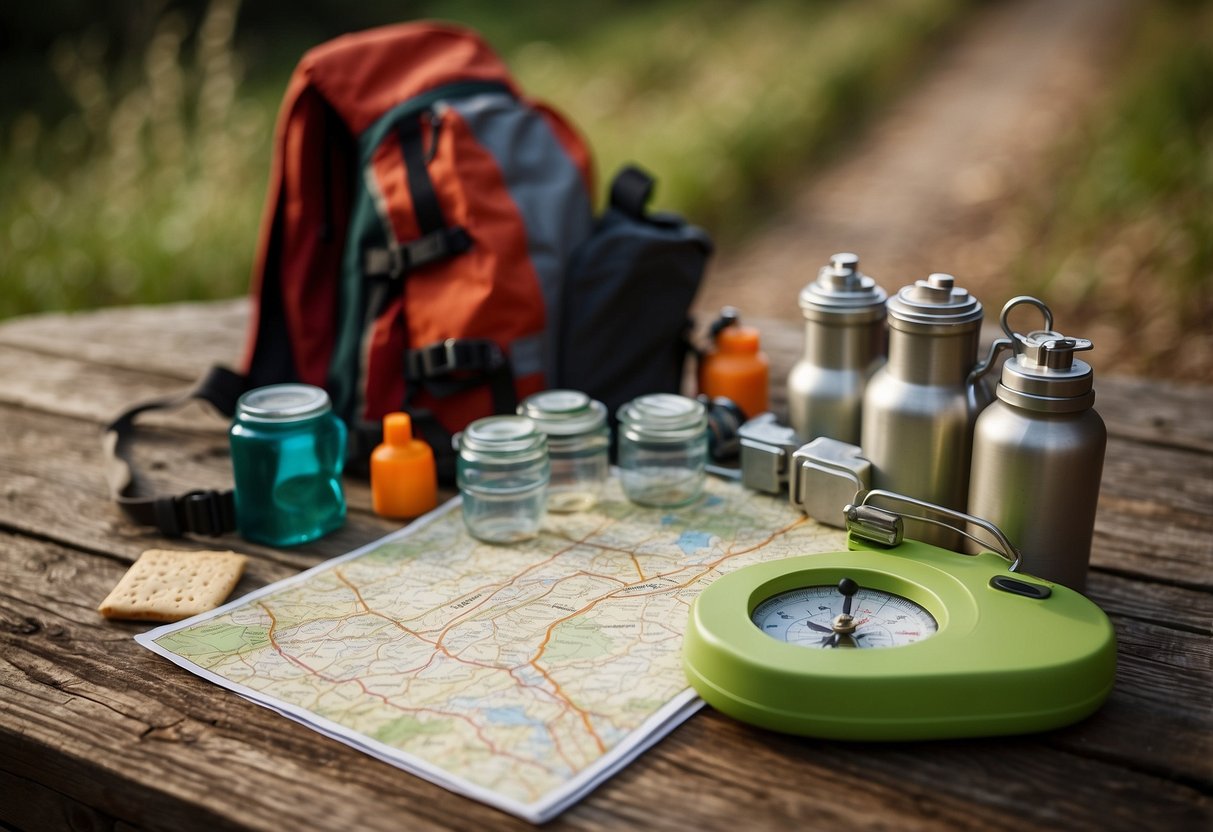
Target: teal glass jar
288, 449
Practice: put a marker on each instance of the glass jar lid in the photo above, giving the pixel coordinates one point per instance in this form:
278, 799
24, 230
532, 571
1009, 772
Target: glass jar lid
283, 403
564, 412
513, 438
663, 417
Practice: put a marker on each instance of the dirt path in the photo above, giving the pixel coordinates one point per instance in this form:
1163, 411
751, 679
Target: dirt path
922, 190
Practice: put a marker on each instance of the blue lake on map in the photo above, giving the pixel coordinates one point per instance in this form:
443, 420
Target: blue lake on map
691, 542
512, 715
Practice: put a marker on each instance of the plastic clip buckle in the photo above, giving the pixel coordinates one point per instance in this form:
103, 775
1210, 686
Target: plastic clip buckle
205, 512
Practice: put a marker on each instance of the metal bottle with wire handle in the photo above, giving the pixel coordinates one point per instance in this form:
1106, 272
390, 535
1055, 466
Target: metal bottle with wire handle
1038, 451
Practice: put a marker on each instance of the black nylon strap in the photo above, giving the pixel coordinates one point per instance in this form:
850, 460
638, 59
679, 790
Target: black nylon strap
205, 512
421, 187
427, 427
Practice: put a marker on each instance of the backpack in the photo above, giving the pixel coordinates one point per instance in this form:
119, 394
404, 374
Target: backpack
422, 231
410, 164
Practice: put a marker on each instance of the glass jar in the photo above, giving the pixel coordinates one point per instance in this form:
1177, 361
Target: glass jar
663, 449
503, 473
578, 446
288, 449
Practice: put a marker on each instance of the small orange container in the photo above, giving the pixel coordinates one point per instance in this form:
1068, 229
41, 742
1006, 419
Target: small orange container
404, 479
737, 369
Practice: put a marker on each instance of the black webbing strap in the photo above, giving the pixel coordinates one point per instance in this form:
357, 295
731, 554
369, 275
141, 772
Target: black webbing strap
438, 241
201, 511
421, 187
445, 368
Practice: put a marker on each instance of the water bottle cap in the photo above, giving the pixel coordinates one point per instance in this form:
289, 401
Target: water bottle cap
397, 429
936, 300
738, 339
1030, 373
842, 293
1044, 366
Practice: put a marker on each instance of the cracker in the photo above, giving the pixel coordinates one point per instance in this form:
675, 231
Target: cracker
166, 585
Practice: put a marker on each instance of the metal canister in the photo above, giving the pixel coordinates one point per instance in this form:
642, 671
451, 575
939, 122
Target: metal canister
1038, 453
844, 344
919, 408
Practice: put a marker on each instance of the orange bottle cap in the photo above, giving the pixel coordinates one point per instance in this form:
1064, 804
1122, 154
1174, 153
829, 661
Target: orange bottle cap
398, 429
737, 339
404, 478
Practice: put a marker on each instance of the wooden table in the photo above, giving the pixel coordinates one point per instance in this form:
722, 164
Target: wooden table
98, 733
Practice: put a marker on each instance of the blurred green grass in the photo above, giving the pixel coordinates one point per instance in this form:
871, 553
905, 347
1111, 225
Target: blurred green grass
1120, 237
150, 188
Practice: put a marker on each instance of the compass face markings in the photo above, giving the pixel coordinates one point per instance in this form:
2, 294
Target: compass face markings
805, 617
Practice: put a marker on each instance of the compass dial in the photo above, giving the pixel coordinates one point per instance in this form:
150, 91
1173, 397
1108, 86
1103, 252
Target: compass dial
821, 616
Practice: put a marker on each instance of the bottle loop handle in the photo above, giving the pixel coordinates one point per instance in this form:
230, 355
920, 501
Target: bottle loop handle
1019, 300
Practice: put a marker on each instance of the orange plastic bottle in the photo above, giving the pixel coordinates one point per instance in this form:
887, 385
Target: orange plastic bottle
737, 369
404, 479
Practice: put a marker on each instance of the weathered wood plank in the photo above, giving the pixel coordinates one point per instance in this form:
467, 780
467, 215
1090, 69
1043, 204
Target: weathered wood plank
85, 698
45, 809
94, 392
1163, 412
1155, 515
1170, 606
177, 340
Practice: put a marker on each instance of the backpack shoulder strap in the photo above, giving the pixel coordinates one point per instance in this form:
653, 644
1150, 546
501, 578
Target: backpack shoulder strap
199, 511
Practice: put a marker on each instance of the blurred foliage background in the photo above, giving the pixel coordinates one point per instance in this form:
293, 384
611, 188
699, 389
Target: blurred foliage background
1119, 235
135, 139
135, 135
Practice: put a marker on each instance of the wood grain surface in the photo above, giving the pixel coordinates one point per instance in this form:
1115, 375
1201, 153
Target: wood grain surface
98, 733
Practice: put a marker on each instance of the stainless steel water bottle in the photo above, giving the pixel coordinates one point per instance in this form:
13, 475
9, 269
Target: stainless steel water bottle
919, 408
844, 343
1038, 453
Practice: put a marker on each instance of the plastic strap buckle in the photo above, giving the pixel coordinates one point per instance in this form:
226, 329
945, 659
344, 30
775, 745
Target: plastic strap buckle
453, 355
437, 245
398, 260
202, 511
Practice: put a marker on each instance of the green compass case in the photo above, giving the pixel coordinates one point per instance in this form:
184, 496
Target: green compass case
1008, 653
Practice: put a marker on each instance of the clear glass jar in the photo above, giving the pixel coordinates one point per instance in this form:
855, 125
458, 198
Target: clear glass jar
288, 450
663, 449
578, 446
503, 473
